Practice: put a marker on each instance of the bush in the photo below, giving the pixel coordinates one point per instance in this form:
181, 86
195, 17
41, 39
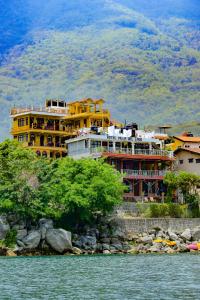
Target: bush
10, 238
156, 210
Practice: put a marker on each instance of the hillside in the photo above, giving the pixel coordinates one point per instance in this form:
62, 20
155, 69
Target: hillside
145, 64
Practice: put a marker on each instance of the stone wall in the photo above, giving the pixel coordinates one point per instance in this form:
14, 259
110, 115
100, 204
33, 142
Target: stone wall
140, 225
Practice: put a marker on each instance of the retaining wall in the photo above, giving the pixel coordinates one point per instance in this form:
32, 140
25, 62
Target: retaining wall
140, 225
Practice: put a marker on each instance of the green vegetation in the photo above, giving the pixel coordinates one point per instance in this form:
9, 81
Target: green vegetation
188, 185
32, 187
162, 210
146, 69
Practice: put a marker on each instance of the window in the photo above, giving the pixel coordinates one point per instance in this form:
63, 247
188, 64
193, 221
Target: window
198, 160
21, 138
27, 121
181, 161
21, 122
190, 160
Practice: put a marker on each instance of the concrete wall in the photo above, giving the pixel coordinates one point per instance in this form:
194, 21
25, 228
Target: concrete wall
139, 225
193, 167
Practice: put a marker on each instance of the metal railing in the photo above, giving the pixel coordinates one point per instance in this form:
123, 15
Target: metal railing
145, 173
59, 110
130, 151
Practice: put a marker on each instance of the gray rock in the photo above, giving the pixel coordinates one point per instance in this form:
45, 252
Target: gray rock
105, 247
172, 236
106, 252
186, 234
4, 227
44, 225
196, 233
21, 233
105, 240
76, 251
32, 240
20, 244
89, 241
117, 246
59, 239
183, 248
146, 239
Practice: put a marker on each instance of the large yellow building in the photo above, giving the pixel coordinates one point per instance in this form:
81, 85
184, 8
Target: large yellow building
46, 129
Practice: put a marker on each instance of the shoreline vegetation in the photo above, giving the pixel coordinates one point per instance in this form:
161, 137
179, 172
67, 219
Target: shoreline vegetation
78, 198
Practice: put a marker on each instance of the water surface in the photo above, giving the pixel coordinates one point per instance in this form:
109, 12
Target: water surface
121, 277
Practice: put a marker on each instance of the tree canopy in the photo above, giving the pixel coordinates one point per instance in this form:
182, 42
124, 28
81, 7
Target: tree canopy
35, 187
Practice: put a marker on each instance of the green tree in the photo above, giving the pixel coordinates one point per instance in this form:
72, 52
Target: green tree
19, 181
83, 189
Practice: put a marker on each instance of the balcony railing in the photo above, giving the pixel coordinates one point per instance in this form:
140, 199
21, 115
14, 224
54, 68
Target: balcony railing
130, 151
59, 110
144, 173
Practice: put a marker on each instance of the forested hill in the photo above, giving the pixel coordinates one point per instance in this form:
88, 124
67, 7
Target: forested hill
141, 56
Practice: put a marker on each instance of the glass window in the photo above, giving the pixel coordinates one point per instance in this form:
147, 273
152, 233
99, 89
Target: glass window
198, 160
181, 161
190, 160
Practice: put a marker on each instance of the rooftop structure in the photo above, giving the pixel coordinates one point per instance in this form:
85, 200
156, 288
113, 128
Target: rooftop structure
186, 140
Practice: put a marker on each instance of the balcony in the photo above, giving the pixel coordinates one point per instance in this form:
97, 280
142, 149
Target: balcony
142, 152
21, 110
148, 174
42, 129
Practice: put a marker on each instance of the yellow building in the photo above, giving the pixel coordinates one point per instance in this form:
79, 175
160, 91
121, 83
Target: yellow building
185, 141
46, 129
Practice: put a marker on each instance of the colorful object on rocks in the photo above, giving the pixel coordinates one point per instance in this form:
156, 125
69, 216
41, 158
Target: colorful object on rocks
167, 242
193, 246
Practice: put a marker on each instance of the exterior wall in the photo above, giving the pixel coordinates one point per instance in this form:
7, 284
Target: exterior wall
186, 166
140, 225
177, 144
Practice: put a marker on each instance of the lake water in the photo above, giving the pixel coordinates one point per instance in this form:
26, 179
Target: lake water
120, 277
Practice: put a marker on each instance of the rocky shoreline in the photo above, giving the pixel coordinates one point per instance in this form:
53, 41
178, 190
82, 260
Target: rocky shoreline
44, 239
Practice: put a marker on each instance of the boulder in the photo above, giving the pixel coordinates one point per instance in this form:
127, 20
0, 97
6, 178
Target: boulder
89, 242
172, 236
76, 251
146, 239
21, 233
196, 234
186, 235
106, 252
105, 247
32, 240
10, 253
44, 225
4, 227
59, 239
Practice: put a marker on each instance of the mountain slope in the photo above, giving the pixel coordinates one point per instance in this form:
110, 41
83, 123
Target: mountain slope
147, 69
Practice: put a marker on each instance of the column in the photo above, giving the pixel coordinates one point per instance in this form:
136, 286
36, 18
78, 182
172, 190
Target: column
133, 148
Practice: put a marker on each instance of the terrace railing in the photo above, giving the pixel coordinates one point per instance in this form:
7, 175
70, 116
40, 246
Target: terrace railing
144, 173
130, 151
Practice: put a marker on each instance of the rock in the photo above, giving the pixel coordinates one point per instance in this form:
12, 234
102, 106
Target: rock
133, 250
10, 253
182, 248
119, 234
196, 234
59, 239
146, 239
172, 236
105, 247
170, 250
21, 233
186, 235
89, 242
105, 240
77, 244
76, 251
44, 225
20, 244
32, 240
4, 227
114, 241
106, 252
117, 246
